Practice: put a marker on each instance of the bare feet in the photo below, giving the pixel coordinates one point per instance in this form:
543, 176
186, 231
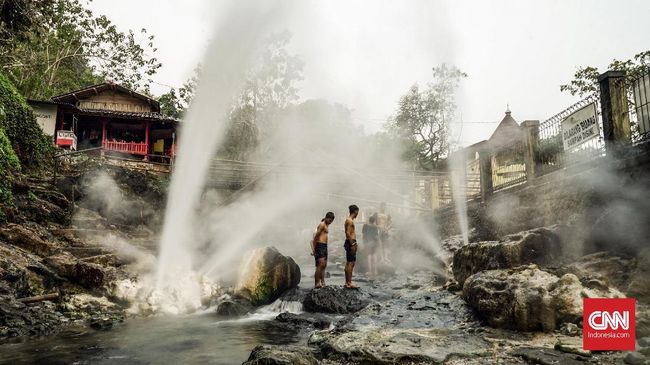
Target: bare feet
350, 286
318, 286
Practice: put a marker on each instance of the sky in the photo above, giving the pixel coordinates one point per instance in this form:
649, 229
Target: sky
366, 54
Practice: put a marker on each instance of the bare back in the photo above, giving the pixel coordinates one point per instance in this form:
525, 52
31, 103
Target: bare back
321, 233
350, 232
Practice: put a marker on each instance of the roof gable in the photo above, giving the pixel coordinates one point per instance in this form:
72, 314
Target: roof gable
507, 132
109, 96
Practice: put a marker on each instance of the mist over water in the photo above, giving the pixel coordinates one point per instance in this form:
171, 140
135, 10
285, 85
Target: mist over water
313, 160
227, 59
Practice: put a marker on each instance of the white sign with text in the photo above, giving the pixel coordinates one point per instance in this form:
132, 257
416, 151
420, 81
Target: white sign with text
580, 127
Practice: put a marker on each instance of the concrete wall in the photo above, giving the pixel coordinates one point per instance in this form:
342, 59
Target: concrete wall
45, 117
606, 203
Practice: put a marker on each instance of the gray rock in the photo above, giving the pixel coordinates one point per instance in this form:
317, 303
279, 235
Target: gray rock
335, 299
281, 355
570, 329
528, 299
635, 358
546, 356
439, 309
540, 246
268, 274
233, 308
397, 346
644, 341
313, 320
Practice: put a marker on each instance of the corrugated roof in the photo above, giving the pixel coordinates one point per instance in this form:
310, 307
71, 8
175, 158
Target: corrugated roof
151, 116
73, 96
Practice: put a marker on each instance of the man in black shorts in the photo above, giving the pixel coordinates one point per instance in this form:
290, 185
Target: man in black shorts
350, 246
371, 242
319, 249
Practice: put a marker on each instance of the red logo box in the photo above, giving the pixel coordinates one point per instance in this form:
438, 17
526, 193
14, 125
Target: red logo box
609, 324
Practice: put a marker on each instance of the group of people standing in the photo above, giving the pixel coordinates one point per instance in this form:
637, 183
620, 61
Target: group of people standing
375, 236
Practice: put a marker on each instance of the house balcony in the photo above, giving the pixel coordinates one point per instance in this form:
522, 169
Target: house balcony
134, 148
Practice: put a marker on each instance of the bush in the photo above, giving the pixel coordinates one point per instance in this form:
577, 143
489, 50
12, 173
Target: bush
27, 139
9, 165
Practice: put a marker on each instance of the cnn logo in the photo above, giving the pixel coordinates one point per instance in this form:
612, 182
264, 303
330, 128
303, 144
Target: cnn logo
609, 324
601, 320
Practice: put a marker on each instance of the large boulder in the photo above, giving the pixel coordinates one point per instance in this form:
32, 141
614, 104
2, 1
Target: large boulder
86, 274
267, 274
529, 299
399, 346
27, 239
541, 246
335, 299
281, 355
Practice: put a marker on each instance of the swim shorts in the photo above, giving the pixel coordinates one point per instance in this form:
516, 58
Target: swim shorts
320, 251
350, 250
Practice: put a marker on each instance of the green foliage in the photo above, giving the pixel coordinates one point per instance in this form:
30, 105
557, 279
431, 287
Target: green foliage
50, 47
423, 116
585, 80
9, 165
27, 139
175, 102
270, 88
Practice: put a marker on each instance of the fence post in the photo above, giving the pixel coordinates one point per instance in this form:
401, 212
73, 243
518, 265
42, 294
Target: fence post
614, 110
435, 194
531, 140
485, 161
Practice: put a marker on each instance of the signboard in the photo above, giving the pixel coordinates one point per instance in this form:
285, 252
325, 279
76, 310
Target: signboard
66, 139
580, 127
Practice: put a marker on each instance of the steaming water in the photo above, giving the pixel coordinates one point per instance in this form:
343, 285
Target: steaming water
457, 173
241, 29
188, 339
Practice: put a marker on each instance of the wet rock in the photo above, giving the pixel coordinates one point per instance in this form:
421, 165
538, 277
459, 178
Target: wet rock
267, 275
540, 246
439, 309
644, 341
572, 346
635, 358
26, 239
545, 356
570, 329
281, 355
528, 299
397, 346
86, 274
232, 307
314, 320
23, 274
639, 285
336, 299
603, 266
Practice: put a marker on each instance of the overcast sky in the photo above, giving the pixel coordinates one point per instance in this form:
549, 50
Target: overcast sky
366, 54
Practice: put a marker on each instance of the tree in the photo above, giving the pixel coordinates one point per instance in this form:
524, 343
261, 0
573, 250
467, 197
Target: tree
175, 102
269, 88
61, 46
423, 116
585, 80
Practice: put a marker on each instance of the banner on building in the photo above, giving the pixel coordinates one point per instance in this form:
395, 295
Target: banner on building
580, 127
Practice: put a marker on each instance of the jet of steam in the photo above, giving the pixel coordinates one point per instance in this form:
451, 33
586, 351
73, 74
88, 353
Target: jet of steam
240, 28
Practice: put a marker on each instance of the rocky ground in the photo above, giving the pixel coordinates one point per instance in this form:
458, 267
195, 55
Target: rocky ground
514, 301
65, 262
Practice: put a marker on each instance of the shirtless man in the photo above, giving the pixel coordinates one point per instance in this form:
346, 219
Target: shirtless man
319, 249
350, 246
382, 224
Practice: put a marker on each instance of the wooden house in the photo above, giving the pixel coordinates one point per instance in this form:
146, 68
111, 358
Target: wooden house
110, 118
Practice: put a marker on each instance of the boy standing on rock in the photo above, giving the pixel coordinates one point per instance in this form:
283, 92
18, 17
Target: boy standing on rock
319, 249
350, 246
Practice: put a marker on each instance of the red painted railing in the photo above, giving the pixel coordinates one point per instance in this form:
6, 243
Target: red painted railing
136, 148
